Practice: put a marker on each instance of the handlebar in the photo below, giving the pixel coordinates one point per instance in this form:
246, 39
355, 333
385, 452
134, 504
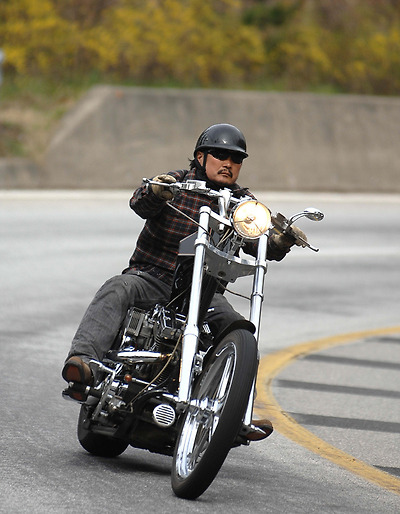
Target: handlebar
197, 186
280, 224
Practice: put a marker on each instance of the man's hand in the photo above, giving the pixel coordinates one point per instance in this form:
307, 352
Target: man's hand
161, 191
285, 241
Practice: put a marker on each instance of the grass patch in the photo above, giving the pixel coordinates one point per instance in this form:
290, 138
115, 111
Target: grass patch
29, 112
11, 140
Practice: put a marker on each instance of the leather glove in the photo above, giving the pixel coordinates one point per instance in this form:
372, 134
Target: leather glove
161, 191
287, 240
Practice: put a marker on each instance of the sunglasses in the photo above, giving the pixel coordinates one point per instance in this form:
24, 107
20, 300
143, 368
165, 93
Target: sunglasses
223, 155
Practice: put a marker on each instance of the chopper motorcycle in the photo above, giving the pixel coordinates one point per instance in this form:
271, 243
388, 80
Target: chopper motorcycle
167, 385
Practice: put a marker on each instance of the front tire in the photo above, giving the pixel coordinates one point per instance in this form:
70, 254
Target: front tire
210, 427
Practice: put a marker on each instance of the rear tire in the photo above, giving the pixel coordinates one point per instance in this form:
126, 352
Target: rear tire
97, 444
209, 429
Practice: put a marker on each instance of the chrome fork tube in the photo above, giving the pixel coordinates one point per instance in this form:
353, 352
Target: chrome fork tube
191, 333
257, 298
257, 295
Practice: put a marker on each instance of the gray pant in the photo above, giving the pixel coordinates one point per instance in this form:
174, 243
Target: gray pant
106, 313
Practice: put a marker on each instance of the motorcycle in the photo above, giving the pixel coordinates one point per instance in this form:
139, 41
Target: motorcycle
167, 385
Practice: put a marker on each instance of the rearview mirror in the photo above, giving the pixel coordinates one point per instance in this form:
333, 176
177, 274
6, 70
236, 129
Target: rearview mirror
311, 213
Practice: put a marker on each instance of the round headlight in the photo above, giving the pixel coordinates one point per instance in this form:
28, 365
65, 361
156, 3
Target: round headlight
251, 219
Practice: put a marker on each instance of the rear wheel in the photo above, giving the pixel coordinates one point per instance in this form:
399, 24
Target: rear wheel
97, 444
212, 422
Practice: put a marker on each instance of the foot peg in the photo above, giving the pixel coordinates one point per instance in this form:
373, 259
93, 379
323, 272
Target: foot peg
79, 392
257, 431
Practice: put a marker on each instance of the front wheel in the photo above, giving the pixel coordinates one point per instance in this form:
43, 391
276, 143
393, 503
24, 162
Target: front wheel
212, 421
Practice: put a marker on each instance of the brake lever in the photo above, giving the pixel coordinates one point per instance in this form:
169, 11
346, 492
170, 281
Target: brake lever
304, 244
281, 226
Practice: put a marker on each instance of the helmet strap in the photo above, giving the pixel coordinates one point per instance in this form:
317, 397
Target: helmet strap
201, 167
201, 172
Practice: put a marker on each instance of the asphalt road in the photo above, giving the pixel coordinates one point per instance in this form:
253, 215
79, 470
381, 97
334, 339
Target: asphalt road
57, 249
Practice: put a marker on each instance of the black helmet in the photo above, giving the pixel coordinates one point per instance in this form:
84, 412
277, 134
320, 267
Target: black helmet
224, 136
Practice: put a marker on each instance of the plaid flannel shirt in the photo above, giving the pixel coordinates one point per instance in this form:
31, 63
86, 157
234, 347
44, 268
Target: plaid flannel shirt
158, 243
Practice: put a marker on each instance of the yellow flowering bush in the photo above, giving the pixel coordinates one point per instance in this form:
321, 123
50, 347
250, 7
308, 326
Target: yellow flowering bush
353, 46
375, 63
301, 58
195, 41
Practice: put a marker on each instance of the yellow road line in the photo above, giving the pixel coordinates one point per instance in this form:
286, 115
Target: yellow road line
267, 406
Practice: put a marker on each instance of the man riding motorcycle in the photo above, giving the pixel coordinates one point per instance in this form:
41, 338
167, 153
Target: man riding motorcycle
218, 156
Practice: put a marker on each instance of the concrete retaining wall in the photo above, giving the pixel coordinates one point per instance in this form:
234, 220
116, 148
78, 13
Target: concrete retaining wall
19, 173
300, 142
